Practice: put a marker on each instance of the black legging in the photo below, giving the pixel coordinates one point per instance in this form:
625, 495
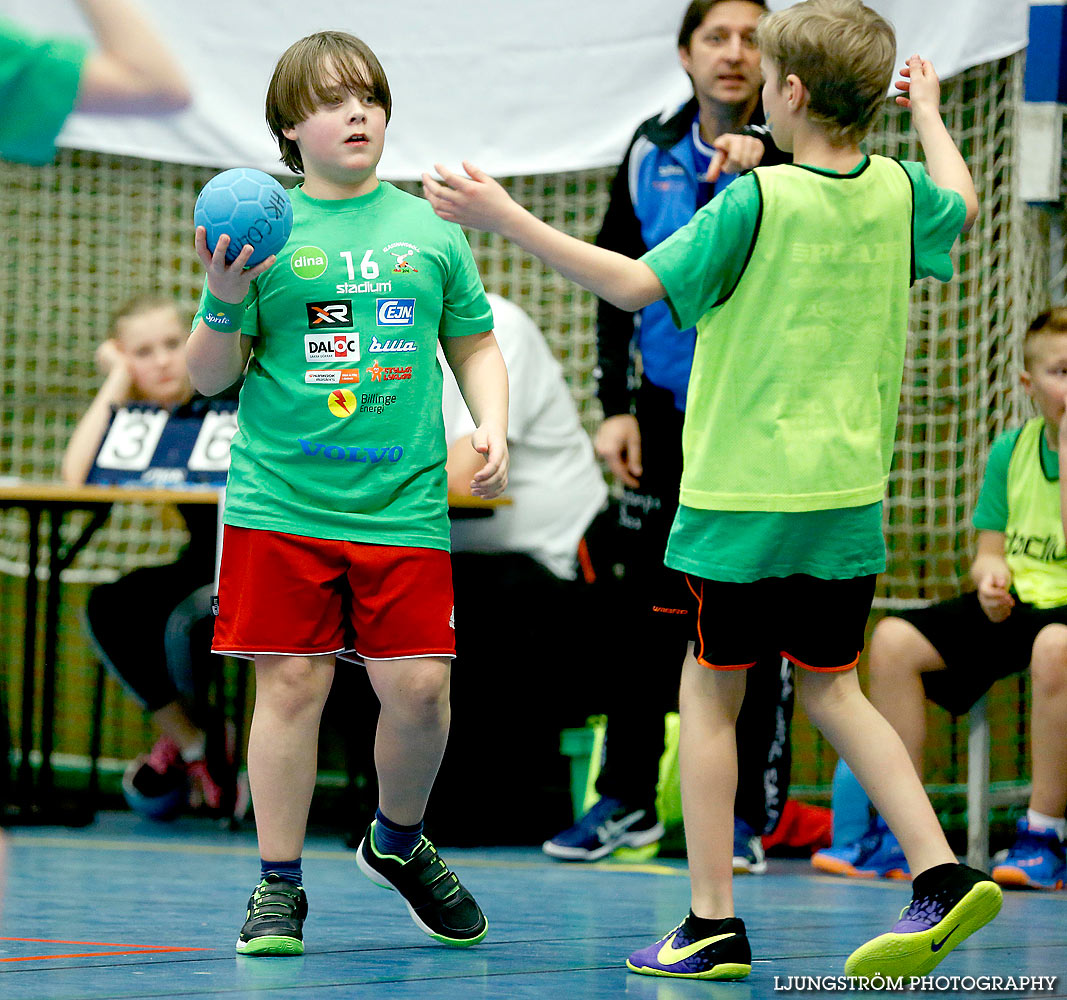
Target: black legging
645, 650
128, 621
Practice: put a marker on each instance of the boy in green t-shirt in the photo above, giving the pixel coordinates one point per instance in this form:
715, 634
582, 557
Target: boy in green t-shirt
952, 652
336, 519
787, 443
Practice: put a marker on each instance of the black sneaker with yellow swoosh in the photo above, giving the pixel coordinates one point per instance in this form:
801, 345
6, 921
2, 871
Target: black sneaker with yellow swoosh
682, 954
949, 903
437, 901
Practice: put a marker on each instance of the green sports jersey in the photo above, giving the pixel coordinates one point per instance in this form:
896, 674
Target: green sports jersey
39, 80
1034, 545
775, 395
991, 511
340, 429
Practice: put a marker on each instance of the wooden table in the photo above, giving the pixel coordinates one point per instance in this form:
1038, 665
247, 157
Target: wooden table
36, 801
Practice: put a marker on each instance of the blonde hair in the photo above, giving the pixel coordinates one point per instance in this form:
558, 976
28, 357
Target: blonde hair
1051, 321
309, 73
843, 53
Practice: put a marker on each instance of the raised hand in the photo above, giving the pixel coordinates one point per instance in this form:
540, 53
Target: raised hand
919, 83
476, 201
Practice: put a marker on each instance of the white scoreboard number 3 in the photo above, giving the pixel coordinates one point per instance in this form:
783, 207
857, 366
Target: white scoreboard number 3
134, 435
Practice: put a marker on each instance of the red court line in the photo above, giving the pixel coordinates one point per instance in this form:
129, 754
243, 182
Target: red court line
129, 949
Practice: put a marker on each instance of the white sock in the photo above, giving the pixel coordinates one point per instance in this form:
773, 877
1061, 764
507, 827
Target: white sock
1039, 821
195, 750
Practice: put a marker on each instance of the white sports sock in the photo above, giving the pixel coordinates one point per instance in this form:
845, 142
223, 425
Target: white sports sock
1039, 821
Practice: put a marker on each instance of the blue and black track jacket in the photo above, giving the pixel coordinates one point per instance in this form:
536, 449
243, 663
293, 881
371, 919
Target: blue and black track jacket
656, 191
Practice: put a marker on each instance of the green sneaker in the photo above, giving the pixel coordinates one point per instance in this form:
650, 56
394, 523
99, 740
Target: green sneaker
945, 909
274, 924
435, 898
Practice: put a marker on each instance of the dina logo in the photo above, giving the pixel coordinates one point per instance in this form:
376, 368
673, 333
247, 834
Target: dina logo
308, 262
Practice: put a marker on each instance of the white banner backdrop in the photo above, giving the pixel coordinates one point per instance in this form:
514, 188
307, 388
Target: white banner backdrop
517, 86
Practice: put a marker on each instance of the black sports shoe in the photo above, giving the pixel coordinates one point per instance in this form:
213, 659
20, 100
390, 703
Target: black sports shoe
274, 924
435, 898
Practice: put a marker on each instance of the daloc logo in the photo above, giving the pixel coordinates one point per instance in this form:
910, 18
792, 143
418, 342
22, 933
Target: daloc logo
396, 312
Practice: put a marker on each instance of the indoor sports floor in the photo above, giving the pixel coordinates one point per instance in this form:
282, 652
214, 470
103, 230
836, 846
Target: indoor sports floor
129, 909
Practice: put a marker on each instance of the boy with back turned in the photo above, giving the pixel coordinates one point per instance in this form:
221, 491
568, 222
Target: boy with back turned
797, 280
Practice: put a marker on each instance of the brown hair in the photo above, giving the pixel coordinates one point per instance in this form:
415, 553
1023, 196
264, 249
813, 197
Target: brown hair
141, 303
1052, 321
843, 53
694, 16
309, 73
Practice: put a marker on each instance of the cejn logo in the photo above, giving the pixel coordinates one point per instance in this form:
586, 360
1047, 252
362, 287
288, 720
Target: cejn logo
396, 312
331, 347
337, 312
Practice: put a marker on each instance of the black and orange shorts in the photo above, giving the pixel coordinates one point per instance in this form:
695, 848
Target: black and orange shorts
817, 624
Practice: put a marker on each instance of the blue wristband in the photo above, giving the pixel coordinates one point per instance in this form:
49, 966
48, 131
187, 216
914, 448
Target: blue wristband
224, 317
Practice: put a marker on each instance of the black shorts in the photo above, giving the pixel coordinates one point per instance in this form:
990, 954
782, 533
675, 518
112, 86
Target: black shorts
976, 651
817, 624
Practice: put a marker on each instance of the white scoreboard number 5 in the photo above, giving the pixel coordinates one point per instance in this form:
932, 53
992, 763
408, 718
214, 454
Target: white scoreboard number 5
131, 441
211, 453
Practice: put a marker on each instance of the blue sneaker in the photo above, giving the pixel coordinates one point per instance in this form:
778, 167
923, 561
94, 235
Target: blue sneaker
608, 825
944, 910
725, 955
749, 858
876, 854
1035, 861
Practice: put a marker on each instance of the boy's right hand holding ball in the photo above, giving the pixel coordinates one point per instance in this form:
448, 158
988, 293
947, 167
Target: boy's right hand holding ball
228, 282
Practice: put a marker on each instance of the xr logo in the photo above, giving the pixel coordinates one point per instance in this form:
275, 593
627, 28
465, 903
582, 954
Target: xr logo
337, 313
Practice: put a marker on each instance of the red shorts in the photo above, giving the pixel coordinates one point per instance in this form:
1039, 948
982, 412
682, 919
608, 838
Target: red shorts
291, 594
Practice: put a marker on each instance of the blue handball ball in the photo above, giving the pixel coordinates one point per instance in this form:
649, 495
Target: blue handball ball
251, 207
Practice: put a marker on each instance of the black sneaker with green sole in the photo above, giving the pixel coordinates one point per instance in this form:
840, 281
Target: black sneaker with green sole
435, 898
274, 923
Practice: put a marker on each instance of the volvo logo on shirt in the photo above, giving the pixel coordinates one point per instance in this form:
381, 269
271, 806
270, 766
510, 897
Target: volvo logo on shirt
331, 347
337, 313
351, 453
396, 312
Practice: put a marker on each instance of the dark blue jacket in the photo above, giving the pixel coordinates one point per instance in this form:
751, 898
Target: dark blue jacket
656, 191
